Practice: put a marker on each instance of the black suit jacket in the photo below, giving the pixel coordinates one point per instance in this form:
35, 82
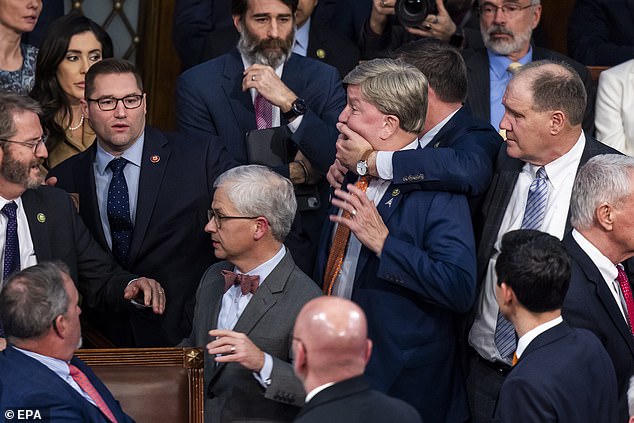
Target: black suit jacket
352, 401
589, 304
168, 240
479, 84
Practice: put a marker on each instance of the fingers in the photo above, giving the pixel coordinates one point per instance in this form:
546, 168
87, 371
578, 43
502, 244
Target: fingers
336, 174
229, 346
153, 293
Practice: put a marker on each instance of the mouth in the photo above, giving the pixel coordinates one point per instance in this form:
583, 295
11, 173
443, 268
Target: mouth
80, 84
31, 19
120, 127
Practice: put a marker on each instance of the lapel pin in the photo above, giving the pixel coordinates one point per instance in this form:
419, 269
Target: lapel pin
321, 53
41, 217
395, 192
155, 158
389, 202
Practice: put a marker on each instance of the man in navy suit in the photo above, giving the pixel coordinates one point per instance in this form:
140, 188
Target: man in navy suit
560, 374
409, 260
169, 179
304, 98
331, 349
40, 310
602, 239
464, 166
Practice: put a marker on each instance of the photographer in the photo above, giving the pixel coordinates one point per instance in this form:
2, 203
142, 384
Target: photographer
391, 24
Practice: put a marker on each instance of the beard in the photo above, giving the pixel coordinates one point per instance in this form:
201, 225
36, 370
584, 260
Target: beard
19, 173
261, 51
503, 47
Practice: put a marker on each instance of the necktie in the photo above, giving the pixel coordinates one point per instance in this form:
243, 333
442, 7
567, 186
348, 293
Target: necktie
339, 244
118, 209
624, 284
12, 245
86, 386
505, 339
263, 112
513, 67
248, 283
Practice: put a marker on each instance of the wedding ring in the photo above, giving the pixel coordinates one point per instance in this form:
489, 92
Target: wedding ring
353, 212
161, 292
253, 77
233, 349
427, 26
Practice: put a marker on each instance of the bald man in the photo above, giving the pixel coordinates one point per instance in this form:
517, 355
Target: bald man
331, 348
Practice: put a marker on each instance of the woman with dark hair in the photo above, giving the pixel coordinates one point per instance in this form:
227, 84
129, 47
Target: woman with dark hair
73, 44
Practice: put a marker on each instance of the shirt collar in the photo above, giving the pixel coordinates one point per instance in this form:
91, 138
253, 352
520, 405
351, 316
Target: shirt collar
265, 269
429, 135
529, 336
606, 267
317, 390
134, 154
301, 37
498, 64
57, 366
4, 201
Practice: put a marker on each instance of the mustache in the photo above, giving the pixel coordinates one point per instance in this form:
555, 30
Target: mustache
498, 29
272, 43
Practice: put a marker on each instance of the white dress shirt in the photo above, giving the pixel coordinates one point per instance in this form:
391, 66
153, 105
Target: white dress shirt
529, 336
27, 251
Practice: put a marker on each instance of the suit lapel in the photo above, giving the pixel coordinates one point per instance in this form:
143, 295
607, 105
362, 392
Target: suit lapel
89, 206
444, 137
239, 101
152, 172
478, 70
38, 226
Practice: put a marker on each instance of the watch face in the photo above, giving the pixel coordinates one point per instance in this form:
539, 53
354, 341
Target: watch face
299, 106
362, 167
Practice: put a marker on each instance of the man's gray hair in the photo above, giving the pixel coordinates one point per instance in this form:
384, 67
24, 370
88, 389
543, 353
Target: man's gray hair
258, 191
10, 105
394, 88
603, 179
32, 299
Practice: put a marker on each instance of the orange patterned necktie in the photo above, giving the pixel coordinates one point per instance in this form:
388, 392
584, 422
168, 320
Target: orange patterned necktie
86, 386
339, 244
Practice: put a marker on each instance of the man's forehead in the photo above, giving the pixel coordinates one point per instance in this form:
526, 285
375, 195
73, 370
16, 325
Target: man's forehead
115, 84
268, 7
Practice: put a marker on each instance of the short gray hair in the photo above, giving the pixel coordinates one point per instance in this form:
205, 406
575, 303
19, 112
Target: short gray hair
32, 299
258, 191
604, 178
10, 105
556, 86
394, 88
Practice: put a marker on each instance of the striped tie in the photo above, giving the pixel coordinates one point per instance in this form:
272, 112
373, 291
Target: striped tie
534, 214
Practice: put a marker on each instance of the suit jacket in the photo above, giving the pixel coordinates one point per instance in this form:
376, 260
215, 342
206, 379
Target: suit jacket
352, 401
28, 384
58, 233
412, 295
168, 241
614, 122
589, 304
601, 32
232, 391
499, 194
564, 375
479, 84
466, 166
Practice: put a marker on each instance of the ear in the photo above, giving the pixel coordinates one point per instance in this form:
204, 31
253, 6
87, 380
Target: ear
262, 228
84, 108
236, 22
507, 294
299, 359
390, 125
557, 122
368, 351
60, 326
604, 214
537, 14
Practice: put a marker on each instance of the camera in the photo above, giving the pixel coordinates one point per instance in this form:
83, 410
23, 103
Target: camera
411, 13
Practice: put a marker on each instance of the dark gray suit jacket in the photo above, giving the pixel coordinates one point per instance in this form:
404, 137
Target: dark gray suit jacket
232, 392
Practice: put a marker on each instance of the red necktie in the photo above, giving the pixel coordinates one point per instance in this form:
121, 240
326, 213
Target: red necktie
263, 112
248, 283
86, 386
627, 294
339, 245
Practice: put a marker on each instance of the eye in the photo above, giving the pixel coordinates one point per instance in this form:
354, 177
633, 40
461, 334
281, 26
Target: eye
107, 102
95, 57
72, 57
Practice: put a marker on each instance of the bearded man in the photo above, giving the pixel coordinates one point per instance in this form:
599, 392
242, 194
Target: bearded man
507, 27
260, 85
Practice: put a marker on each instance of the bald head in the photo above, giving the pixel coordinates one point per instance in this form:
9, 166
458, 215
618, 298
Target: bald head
331, 341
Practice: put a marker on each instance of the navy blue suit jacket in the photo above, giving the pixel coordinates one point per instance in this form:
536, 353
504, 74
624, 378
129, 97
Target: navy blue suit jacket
466, 166
601, 32
589, 304
564, 375
168, 241
412, 295
28, 384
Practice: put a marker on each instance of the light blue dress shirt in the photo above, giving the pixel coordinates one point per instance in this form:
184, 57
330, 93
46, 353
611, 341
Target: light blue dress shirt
499, 78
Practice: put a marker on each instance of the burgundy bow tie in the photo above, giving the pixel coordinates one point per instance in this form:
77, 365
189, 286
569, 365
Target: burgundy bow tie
248, 283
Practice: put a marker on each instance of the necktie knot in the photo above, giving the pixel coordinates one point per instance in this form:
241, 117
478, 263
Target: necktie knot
10, 210
513, 67
117, 165
248, 283
541, 173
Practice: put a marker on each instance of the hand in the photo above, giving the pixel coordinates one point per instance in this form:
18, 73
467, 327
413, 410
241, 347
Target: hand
3, 344
269, 85
365, 222
313, 176
336, 174
350, 147
381, 9
153, 293
51, 181
439, 26
235, 347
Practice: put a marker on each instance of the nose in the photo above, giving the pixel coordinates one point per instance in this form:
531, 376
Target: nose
273, 30
85, 65
499, 17
120, 110
211, 227
343, 116
505, 123
41, 151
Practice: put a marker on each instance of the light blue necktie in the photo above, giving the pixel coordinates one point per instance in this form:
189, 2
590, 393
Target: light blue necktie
505, 339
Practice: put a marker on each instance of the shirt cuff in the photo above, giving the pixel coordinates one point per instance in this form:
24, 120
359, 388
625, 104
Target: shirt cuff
264, 377
295, 123
384, 165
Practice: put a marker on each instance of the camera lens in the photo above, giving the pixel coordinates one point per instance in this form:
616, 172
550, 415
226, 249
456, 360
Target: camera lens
413, 7
412, 12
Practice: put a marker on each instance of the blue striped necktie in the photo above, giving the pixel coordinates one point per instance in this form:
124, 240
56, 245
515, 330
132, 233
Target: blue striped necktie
505, 339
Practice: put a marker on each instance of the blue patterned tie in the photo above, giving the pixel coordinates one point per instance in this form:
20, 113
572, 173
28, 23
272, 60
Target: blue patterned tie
11, 246
119, 212
534, 214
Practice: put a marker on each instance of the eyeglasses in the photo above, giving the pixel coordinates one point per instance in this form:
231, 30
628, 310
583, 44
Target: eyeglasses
218, 218
33, 144
110, 103
489, 10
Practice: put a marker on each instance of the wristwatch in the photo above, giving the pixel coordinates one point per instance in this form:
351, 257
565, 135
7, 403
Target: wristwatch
362, 165
298, 108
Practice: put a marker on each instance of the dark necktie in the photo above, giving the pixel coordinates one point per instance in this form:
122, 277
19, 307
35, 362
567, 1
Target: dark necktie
118, 208
12, 245
248, 283
626, 292
84, 383
263, 112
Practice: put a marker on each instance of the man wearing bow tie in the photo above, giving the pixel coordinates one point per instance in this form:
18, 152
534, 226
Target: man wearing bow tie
246, 305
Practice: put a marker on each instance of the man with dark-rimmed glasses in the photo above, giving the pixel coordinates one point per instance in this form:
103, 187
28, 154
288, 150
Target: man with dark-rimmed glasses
246, 305
144, 196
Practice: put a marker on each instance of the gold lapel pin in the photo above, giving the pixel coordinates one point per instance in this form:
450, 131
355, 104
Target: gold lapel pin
41, 217
321, 53
395, 192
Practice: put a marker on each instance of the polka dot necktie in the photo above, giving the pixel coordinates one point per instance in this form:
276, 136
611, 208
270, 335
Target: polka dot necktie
11, 246
118, 209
